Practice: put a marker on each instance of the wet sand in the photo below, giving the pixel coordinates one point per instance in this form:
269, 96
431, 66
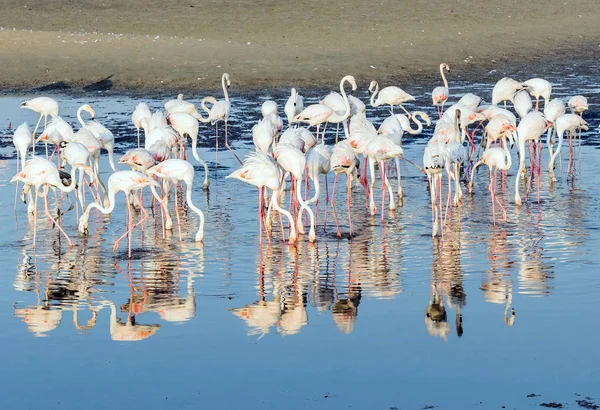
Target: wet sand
186, 45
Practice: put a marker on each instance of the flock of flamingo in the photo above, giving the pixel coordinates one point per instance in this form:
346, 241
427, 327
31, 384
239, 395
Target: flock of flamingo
160, 161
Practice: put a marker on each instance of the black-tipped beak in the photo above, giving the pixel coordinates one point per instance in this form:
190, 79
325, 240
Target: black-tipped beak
24, 104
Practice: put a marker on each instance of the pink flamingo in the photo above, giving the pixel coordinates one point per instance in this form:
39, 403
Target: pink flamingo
538, 87
176, 170
45, 106
439, 96
391, 95
186, 125
40, 172
343, 161
126, 181
260, 170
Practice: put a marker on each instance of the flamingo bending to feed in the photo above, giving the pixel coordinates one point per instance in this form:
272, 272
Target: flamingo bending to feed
343, 160
439, 96
566, 123
292, 161
22, 142
186, 125
391, 95
45, 106
176, 170
531, 127
552, 110
505, 90
496, 158
40, 172
260, 170
126, 181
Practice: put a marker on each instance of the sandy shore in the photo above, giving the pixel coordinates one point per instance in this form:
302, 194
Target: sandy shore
186, 45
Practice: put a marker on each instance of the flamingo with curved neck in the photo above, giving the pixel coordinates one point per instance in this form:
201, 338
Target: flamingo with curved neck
439, 96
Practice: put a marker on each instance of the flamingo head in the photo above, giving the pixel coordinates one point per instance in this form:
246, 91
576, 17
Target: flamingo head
89, 109
444, 65
226, 77
372, 86
44, 136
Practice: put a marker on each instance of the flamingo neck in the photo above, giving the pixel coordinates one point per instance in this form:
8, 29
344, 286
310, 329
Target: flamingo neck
224, 87
374, 94
419, 128
79, 110
443, 75
188, 197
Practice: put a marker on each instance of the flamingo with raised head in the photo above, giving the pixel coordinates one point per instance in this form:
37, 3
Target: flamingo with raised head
293, 106
45, 106
439, 95
391, 95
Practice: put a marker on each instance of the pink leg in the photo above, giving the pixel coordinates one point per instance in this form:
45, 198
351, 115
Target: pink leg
228, 147
383, 187
53, 221
217, 145
177, 214
35, 215
337, 226
491, 188
348, 200
326, 201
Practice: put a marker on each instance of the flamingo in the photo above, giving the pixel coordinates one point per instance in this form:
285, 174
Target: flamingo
496, 158
176, 170
391, 95
552, 110
139, 159
317, 163
380, 149
260, 170
570, 123
180, 105
336, 102
126, 181
263, 135
142, 111
317, 114
268, 107
522, 103
531, 127
290, 136
434, 162
439, 96
578, 105
498, 127
343, 160
186, 124
292, 161
45, 106
40, 172
538, 87
100, 132
22, 142
220, 112
505, 90
470, 101
293, 106
78, 157
455, 154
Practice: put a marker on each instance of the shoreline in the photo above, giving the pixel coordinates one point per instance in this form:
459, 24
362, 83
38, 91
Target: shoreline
171, 47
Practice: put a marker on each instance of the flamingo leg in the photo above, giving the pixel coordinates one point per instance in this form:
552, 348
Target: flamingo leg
177, 213
228, 147
35, 216
382, 171
348, 192
33, 135
53, 221
326, 201
337, 226
217, 144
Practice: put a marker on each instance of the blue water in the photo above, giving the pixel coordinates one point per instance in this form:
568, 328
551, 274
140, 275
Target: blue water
338, 324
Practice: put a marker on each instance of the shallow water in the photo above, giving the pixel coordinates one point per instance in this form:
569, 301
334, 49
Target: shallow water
338, 324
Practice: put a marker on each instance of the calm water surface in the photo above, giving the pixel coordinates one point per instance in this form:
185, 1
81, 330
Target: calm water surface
338, 324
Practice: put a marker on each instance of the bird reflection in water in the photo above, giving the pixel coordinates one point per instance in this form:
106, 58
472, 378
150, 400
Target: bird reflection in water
75, 280
497, 283
446, 281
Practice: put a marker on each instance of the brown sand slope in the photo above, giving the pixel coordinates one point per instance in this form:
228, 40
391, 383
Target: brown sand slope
188, 44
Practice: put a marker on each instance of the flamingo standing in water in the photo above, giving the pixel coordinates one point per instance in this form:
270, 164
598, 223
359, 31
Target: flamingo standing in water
531, 127
260, 170
220, 112
186, 125
506, 89
141, 112
317, 114
40, 172
176, 170
100, 132
292, 161
391, 95
45, 106
433, 162
293, 106
22, 142
496, 158
538, 87
126, 181
343, 160
552, 110
439, 96
566, 123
